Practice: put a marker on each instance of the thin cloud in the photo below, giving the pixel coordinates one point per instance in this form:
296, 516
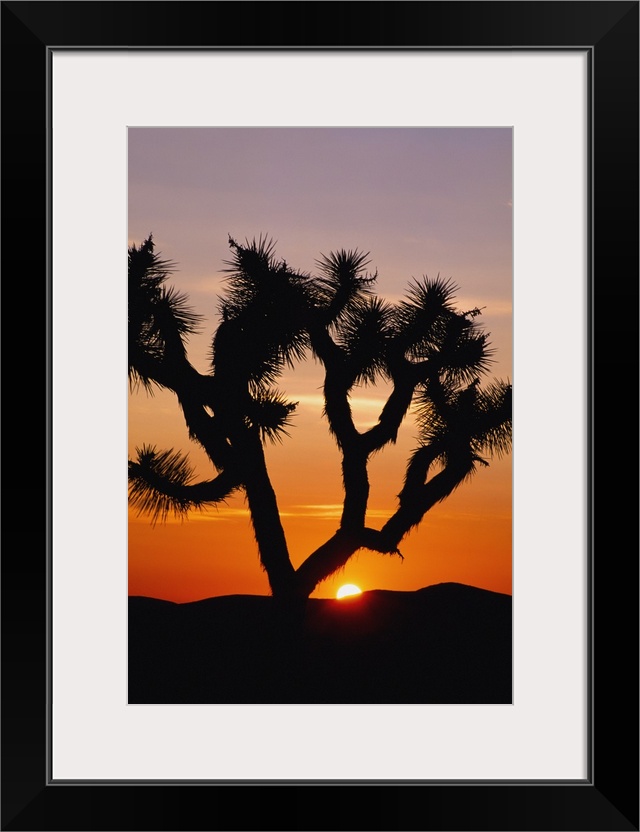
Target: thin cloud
332, 511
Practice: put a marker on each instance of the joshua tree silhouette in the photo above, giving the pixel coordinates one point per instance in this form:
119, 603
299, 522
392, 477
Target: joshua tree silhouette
272, 316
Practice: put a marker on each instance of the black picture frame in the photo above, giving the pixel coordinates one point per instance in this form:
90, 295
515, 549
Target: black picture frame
608, 799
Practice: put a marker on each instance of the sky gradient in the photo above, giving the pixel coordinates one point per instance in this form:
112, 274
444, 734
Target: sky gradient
421, 201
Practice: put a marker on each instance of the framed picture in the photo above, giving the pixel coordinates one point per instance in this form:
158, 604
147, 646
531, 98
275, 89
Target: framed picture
561, 79
346, 566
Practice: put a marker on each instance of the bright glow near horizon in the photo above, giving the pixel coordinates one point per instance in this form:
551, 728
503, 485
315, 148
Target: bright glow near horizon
347, 590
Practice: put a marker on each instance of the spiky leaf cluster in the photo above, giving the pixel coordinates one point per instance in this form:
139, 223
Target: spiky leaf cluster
363, 334
265, 316
428, 328
159, 316
342, 283
156, 482
270, 412
470, 417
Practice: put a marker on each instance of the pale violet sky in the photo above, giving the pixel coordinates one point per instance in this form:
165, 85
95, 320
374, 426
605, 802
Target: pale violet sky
420, 200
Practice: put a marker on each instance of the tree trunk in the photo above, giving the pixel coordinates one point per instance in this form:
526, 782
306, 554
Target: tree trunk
265, 517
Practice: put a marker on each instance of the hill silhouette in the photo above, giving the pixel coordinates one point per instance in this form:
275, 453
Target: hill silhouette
444, 644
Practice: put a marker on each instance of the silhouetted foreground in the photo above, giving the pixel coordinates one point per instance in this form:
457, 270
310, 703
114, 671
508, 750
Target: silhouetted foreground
446, 644
272, 318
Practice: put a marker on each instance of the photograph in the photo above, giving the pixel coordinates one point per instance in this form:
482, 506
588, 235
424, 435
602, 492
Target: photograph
319, 420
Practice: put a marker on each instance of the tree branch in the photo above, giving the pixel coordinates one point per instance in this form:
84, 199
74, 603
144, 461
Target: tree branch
335, 553
336, 385
417, 497
391, 417
159, 484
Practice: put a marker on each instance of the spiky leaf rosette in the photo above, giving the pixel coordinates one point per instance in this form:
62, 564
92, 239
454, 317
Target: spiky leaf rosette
462, 351
270, 412
363, 332
156, 481
161, 483
264, 316
159, 316
342, 282
419, 318
468, 420
430, 331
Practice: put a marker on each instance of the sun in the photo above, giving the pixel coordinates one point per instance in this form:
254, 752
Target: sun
348, 589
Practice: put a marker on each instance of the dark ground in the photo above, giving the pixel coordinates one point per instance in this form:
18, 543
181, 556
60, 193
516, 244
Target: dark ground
444, 644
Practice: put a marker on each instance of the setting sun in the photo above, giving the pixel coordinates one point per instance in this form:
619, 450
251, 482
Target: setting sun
348, 589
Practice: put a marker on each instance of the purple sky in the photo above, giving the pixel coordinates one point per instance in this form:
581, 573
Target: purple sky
420, 200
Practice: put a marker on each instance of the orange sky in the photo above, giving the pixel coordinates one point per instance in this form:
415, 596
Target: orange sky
467, 538
174, 176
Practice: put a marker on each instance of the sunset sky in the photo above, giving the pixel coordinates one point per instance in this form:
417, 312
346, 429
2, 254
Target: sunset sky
421, 201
